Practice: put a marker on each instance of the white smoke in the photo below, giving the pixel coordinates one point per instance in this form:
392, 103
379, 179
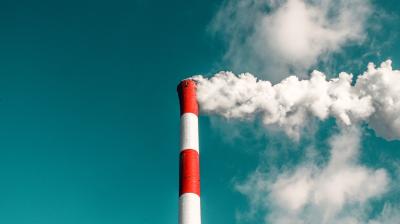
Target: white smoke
280, 37
292, 103
340, 190
335, 193
275, 37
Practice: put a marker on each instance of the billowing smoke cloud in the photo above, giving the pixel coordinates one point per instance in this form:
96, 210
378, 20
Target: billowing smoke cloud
276, 37
292, 103
338, 190
334, 193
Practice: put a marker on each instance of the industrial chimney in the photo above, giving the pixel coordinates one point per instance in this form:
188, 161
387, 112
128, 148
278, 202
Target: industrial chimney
189, 173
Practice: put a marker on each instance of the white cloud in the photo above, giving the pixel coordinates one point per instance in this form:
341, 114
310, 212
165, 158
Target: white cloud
310, 193
276, 37
383, 86
292, 103
337, 192
280, 37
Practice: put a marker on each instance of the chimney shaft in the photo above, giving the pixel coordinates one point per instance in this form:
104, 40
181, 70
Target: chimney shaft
189, 175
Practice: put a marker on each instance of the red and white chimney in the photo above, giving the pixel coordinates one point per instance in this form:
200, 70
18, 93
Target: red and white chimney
189, 172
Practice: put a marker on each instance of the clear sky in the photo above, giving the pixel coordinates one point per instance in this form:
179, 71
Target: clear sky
90, 119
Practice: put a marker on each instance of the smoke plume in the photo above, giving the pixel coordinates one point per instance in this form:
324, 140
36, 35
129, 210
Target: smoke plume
338, 190
280, 37
292, 103
334, 193
274, 38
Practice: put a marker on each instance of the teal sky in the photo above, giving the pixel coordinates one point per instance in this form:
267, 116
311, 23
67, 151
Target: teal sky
90, 120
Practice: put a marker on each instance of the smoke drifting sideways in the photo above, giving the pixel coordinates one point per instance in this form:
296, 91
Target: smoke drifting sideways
374, 98
338, 191
279, 37
334, 193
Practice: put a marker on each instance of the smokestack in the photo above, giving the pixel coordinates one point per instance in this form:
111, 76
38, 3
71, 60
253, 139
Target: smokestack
189, 175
